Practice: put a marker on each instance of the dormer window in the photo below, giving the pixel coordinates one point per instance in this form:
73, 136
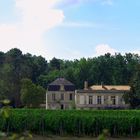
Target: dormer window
62, 87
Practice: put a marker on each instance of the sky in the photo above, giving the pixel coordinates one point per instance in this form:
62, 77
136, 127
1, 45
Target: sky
70, 29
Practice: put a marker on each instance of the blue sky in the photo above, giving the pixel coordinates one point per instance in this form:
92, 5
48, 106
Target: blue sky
70, 29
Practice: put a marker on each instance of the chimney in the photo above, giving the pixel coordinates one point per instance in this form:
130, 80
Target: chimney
85, 85
102, 84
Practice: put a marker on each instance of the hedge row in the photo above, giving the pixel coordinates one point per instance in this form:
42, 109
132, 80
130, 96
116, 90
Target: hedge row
91, 123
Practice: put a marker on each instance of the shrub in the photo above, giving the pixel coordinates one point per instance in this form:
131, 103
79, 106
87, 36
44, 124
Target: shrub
74, 122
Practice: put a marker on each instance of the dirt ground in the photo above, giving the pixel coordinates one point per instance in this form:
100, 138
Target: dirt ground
76, 138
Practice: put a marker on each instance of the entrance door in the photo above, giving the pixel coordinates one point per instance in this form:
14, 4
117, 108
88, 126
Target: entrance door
62, 106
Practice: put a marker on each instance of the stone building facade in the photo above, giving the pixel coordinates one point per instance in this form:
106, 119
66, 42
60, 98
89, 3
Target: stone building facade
101, 96
60, 94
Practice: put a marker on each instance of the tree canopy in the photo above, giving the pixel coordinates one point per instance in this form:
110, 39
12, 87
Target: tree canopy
31, 95
133, 97
110, 69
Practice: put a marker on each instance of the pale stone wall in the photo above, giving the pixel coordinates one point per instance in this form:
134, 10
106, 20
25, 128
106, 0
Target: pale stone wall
82, 100
58, 102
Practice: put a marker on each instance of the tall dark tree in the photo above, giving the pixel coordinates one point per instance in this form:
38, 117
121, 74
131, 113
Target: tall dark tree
31, 94
55, 64
14, 59
39, 67
2, 57
133, 97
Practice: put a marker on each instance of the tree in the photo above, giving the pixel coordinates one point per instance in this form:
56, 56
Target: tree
133, 97
31, 94
44, 80
13, 60
3, 90
39, 66
7, 87
110, 69
55, 64
2, 57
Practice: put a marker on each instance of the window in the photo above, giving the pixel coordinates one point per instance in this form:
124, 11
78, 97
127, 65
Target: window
62, 96
82, 98
70, 96
113, 100
99, 100
53, 97
90, 99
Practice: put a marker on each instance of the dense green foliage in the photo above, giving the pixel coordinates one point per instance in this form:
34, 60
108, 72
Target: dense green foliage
15, 66
31, 95
5, 114
133, 97
78, 123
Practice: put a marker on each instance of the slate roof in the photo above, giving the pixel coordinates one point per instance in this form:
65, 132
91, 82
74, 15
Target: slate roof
61, 81
56, 85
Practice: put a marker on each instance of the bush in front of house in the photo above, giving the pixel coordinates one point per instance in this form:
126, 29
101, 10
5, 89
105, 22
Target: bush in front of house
73, 122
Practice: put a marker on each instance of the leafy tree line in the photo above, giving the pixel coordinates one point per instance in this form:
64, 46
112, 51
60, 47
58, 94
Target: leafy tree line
16, 67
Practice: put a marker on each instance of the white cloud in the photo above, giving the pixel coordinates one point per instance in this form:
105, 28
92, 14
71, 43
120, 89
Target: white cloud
8, 35
102, 49
36, 17
39, 14
80, 24
79, 2
136, 52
